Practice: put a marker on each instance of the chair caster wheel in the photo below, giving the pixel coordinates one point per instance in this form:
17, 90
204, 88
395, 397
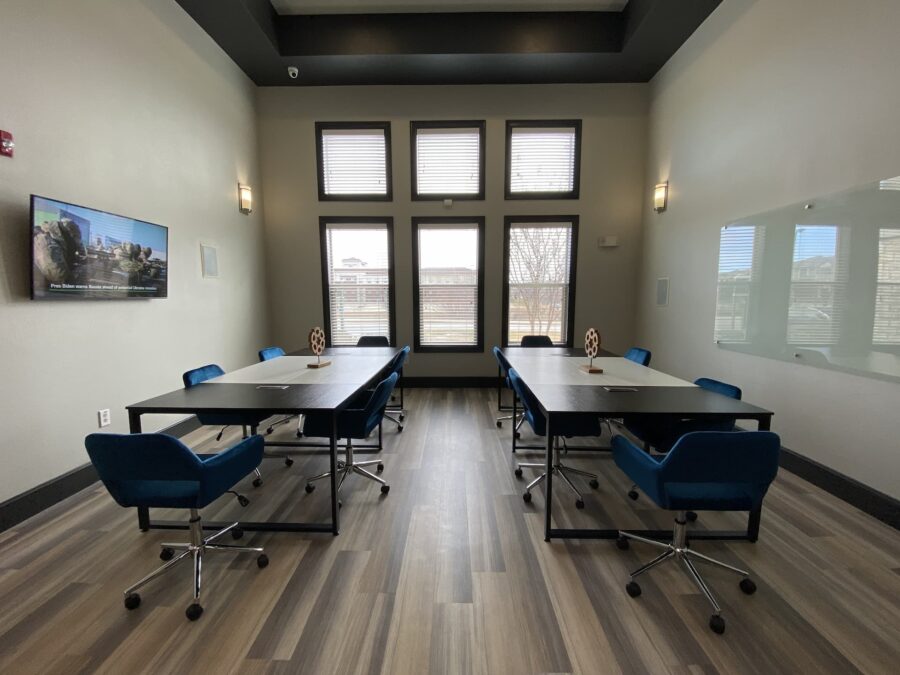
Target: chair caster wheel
243, 501
579, 503
518, 473
402, 417
340, 504
691, 517
499, 424
527, 497
257, 482
132, 601
193, 612
633, 495
262, 561
288, 461
236, 533
633, 589
269, 431
167, 553
399, 428
385, 489
717, 624
594, 483
518, 435
622, 543
309, 488
299, 434
380, 467
748, 586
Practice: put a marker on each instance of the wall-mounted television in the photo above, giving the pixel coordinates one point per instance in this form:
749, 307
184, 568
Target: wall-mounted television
77, 252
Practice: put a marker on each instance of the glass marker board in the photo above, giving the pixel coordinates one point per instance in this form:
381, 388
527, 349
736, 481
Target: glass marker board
816, 283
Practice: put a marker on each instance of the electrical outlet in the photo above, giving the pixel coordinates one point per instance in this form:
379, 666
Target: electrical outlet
103, 418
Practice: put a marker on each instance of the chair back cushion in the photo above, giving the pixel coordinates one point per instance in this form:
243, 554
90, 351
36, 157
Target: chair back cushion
146, 469
638, 355
194, 377
269, 353
502, 361
373, 341
530, 407
536, 341
397, 363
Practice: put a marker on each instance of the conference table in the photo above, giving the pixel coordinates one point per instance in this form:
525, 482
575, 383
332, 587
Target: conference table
281, 386
562, 388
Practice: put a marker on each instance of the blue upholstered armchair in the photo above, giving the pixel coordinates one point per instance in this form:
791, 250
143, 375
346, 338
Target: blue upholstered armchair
571, 426
159, 471
396, 366
639, 355
504, 366
704, 470
268, 354
356, 421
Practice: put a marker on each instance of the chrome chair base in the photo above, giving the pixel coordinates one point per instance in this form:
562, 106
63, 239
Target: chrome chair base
348, 466
678, 549
558, 469
401, 415
197, 547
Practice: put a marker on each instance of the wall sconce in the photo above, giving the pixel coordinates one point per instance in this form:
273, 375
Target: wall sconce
245, 198
660, 197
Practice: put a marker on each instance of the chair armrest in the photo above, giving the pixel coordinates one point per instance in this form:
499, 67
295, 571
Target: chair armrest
638, 465
221, 472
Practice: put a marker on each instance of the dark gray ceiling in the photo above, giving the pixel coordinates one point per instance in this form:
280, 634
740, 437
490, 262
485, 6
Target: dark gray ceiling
626, 45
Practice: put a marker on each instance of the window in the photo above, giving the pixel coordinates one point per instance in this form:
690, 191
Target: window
354, 161
357, 278
737, 290
539, 267
447, 160
817, 300
448, 257
887, 294
543, 159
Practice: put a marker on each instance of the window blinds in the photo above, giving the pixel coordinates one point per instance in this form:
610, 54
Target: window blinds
354, 162
740, 253
818, 293
358, 268
448, 284
886, 330
542, 159
539, 275
448, 161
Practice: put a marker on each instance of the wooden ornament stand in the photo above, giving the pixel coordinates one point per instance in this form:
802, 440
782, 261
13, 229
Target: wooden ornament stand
591, 347
318, 364
317, 346
593, 370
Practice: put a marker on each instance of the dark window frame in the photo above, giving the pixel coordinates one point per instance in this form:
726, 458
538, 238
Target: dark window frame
508, 223
538, 124
320, 166
414, 127
388, 222
448, 220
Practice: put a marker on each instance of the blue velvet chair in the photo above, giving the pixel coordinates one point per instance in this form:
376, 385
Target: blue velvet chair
159, 471
572, 426
396, 366
536, 341
200, 375
373, 341
706, 470
268, 354
356, 421
639, 355
504, 365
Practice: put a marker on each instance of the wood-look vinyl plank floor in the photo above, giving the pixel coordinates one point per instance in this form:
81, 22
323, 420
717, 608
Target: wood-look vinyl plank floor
449, 573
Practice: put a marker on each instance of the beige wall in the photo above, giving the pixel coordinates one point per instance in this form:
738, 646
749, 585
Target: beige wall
613, 151
770, 103
129, 107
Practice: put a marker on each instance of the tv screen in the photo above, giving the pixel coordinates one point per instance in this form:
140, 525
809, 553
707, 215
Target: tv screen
78, 252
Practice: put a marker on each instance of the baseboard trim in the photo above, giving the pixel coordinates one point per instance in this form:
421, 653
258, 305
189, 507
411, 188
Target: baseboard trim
449, 382
22, 507
868, 500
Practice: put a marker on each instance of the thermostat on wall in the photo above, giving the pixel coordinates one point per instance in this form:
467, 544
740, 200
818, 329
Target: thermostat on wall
608, 241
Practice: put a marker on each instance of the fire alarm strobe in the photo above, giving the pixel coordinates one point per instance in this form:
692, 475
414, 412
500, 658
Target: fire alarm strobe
7, 143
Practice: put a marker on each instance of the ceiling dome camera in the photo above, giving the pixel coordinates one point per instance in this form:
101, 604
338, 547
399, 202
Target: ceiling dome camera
293, 72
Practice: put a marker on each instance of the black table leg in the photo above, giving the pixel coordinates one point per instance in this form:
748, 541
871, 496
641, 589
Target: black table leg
548, 492
134, 427
335, 523
514, 424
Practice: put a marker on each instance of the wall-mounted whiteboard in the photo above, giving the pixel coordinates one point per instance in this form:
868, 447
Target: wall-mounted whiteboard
817, 282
